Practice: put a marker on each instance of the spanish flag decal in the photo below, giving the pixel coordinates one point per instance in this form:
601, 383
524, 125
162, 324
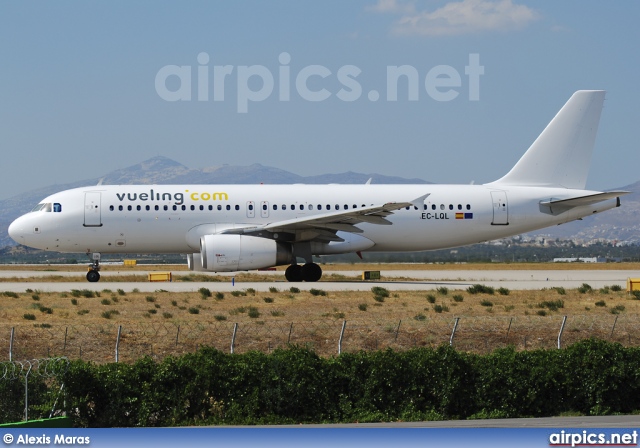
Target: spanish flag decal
464, 215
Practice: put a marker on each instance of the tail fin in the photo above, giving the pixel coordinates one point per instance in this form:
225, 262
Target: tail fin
561, 155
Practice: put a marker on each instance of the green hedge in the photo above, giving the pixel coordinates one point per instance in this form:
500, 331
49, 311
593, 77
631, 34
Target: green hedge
295, 385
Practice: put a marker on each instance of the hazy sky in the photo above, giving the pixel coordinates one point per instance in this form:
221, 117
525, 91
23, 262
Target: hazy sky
87, 87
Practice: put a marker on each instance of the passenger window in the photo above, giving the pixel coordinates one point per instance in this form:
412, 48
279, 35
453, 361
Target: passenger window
250, 206
57, 208
433, 206
459, 206
148, 207
237, 207
120, 207
293, 206
264, 206
111, 207
202, 208
284, 206
468, 207
228, 207
219, 207
275, 207
157, 207
328, 207
139, 207
337, 207
211, 208
166, 207
184, 207
193, 207
301, 206
129, 207
175, 208
441, 206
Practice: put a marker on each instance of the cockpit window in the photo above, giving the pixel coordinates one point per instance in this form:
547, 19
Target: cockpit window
47, 207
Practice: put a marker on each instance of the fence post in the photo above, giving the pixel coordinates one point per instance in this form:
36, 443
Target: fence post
509, 329
453, 333
118, 342
614, 327
398, 329
344, 324
177, 335
11, 344
26, 392
233, 337
290, 331
564, 320
66, 330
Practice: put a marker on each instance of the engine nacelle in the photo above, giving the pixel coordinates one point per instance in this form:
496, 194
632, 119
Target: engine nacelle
194, 262
226, 253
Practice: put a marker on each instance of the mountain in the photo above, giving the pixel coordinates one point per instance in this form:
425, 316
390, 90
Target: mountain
162, 171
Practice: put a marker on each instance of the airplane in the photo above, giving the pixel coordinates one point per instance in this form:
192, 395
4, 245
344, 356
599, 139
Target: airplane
228, 228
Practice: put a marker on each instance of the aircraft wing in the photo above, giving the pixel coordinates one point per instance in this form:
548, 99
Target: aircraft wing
561, 205
324, 226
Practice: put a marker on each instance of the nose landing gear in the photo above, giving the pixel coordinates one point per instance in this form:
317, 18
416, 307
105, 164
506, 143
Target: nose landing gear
93, 275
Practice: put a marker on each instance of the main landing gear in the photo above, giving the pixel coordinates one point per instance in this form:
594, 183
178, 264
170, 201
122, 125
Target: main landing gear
308, 272
94, 275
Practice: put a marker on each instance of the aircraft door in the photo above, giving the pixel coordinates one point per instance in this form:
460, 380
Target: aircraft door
251, 209
500, 208
264, 209
92, 213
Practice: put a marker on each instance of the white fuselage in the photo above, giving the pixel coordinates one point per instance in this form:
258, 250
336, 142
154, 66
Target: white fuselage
173, 218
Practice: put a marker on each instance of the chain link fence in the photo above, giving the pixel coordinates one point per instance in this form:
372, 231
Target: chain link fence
129, 342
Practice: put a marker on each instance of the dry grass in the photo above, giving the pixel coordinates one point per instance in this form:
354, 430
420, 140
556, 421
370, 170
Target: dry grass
164, 323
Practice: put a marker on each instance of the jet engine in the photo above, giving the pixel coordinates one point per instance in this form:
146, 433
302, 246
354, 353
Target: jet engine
226, 253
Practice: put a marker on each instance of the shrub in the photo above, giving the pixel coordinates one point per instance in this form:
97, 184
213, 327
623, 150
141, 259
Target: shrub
636, 294
294, 290
204, 293
317, 292
560, 290
541, 313
174, 303
152, 311
431, 298
35, 297
552, 305
480, 289
443, 290
503, 291
121, 292
268, 299
251, 291
220, 317
253, 312
601, 303
458, 298
362, 307
585, 288
29, 316
486, 303
276, 313
380, 291
238, 293
194, 310
45, 309
150, 299
219, 296
105, 302
440, 308
617, 309
167, 315
11, 294
378, 299
83, 312
615, 288
273, 289
109, 313
74, 301
420, 317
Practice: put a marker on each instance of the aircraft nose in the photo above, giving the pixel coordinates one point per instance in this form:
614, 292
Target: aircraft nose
16, 231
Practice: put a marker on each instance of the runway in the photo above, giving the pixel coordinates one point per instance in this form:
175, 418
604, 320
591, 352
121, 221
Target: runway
395, 280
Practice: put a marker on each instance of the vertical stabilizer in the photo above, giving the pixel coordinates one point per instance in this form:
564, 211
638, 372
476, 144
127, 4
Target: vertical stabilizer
561, 155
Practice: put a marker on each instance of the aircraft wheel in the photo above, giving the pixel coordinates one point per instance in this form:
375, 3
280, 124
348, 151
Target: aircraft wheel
293, 273
311, 272
93, 276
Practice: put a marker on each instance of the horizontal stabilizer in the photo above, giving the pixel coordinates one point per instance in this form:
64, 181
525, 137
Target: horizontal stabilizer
555, 206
